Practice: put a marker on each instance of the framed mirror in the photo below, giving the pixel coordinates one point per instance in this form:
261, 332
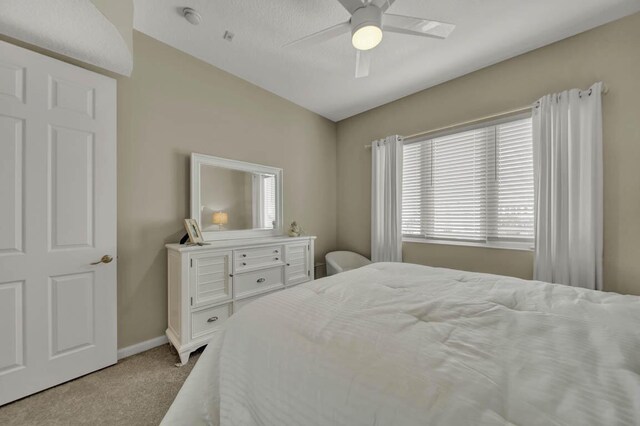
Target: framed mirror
234, 199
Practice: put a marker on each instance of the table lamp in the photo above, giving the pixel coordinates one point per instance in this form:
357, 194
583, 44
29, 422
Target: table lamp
220, 218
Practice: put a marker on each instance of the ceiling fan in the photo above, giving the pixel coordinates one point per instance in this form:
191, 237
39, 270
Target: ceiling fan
367, 23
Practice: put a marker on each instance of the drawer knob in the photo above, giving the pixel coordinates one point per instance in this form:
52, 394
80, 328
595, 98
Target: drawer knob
277, 258
261, 280
288, 264
244, 264
276, 251
244, 255
212, 319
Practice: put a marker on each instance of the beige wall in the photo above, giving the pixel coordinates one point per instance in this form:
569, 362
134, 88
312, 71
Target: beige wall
609, 53
174, 104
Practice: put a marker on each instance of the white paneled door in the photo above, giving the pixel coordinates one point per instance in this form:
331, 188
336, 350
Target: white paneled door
57, 218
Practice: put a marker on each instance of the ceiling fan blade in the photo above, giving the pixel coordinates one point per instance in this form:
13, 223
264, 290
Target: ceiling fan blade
363, 62
397, 30
320, 36
416, 26
351, 5
383, 4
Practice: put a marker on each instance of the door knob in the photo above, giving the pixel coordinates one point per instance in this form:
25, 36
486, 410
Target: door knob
105, 259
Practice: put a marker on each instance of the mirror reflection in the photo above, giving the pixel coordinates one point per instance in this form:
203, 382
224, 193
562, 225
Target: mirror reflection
236, 199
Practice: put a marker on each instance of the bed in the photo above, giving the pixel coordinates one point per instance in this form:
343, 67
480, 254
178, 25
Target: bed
402, 344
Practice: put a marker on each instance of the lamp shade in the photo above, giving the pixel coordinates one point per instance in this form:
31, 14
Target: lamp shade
220, 218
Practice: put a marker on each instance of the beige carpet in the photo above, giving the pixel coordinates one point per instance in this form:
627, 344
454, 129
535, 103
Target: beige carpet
136, 391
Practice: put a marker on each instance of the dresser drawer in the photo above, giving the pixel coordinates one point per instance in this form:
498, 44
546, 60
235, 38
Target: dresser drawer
208, 320
239, 304
259, 257
250, 283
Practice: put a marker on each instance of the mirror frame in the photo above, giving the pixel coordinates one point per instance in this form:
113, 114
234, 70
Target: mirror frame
199, 160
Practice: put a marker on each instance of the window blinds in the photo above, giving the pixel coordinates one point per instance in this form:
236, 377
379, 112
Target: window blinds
475, 185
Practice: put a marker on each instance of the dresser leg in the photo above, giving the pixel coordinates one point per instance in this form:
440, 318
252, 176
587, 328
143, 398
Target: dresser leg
184, 358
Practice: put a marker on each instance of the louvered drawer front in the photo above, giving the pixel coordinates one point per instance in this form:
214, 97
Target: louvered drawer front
251, 283
208, 320
261, 257
297, 258
211, 281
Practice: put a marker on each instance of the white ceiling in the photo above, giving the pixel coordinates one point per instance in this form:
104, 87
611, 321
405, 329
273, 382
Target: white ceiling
321, 78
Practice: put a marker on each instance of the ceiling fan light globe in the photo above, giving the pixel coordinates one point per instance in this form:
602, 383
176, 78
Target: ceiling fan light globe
366, 27
366, 37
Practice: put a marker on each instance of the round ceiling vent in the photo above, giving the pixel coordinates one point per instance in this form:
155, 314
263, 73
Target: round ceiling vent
191, 15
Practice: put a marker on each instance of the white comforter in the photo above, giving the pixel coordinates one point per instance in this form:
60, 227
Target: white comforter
400, 344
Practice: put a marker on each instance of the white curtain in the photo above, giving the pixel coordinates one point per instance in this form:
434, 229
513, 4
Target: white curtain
567, 155
386, 200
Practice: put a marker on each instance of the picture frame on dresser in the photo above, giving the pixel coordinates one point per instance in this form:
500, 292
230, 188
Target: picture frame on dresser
193, 230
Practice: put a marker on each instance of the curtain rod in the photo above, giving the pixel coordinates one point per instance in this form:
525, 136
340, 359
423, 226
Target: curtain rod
605, 90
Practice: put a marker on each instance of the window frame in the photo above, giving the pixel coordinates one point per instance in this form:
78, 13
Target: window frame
494, 244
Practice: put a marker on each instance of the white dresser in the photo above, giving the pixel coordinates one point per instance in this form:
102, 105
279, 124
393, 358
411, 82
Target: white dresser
209, 283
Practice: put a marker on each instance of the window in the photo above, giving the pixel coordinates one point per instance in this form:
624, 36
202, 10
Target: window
473, 186
264, 201
269, 205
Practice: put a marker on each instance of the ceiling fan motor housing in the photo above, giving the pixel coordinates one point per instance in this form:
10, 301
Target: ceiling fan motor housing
367, 16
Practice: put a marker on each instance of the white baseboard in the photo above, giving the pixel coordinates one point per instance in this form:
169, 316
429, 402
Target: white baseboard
142, 346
